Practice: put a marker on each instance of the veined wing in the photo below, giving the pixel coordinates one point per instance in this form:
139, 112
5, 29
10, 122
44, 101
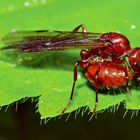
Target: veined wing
46, 40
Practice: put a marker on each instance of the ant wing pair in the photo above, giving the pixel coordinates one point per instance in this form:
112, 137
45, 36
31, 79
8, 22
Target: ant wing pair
47, 40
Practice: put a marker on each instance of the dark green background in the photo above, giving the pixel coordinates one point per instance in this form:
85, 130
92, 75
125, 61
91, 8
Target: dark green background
25, 124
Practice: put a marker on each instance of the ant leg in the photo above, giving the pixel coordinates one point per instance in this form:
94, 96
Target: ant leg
127, 81
84, 29
96, 87
96, 101
137, 79
72, 91
127, 78
127, 64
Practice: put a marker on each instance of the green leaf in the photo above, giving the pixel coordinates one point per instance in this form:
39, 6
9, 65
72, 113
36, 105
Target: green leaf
49, 76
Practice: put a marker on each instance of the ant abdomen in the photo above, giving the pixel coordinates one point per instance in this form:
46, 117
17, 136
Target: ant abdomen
109, 74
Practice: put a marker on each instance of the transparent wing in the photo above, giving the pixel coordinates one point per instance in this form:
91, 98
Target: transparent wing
46, 40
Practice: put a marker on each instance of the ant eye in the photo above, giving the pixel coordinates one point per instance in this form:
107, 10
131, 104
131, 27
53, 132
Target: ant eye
135, 63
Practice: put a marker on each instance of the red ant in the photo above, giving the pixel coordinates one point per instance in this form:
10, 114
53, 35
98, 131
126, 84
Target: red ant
104, 62
105, 66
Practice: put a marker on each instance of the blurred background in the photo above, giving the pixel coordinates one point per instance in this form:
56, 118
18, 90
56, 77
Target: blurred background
99, 16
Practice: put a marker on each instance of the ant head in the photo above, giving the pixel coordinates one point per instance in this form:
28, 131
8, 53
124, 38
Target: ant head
84, 54
134, 59
120, 44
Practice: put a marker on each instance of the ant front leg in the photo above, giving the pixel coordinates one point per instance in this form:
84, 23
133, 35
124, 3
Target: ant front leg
72, 91
84, 29
137, 78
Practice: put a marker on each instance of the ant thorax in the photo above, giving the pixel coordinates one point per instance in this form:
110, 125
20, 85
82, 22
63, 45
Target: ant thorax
85, 63
94, 59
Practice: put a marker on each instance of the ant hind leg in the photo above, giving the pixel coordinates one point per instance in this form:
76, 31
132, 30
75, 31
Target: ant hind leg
72, 91
97, 87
